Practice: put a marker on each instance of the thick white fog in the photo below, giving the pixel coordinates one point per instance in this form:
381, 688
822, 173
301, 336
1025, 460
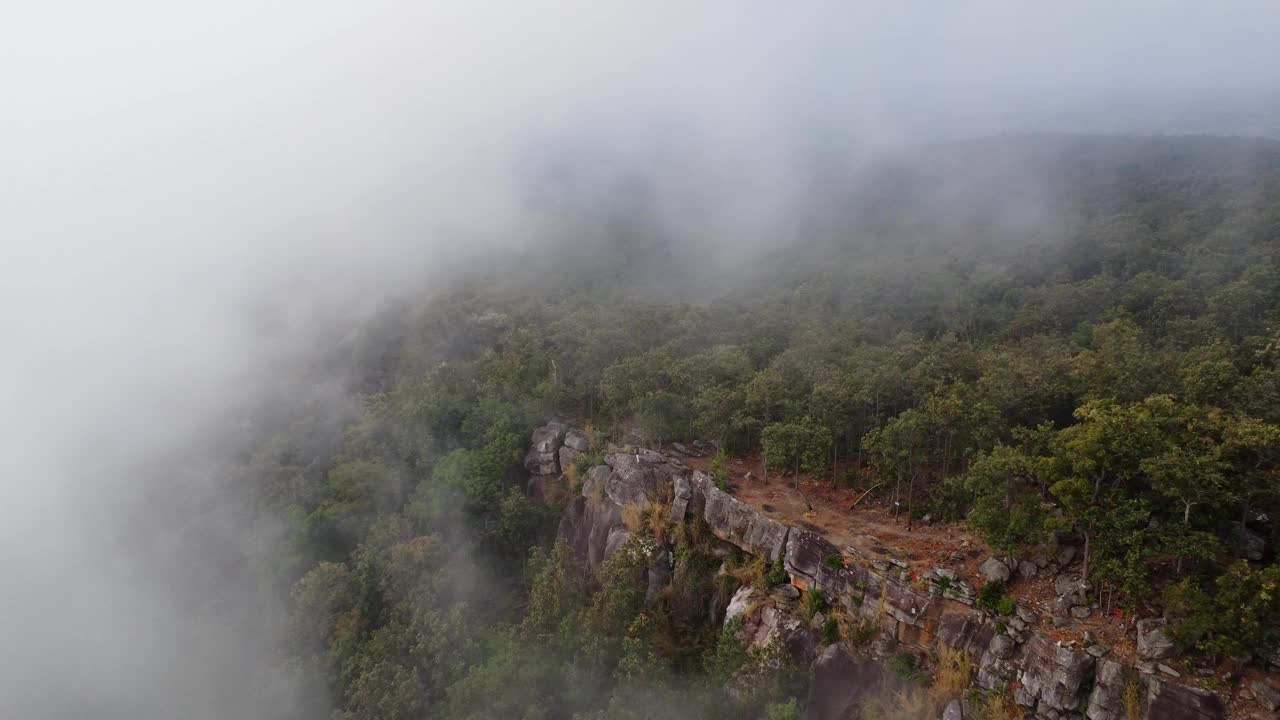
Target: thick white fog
191, 191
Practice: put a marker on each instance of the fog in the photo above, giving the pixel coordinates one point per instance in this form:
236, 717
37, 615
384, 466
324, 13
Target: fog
194, 195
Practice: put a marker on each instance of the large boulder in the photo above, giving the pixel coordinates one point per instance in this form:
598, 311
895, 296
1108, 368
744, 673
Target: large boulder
575, 439
1248, 544
1266, 694
586, 525
838, 680
1052, 675
566, 457
1174, 701
993, 570
1106, 702
742, 600
734, 521
544, 444
688, 495
637, 477
1153, 641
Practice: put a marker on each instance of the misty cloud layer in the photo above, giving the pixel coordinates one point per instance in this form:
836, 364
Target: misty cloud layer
193, 195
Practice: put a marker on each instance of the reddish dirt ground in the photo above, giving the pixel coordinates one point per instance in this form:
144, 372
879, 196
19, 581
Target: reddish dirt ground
871, 530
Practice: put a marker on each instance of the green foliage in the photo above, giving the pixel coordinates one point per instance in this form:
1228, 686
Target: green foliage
815, 601
833, 562
991, 597
1236, 620
906, 667
804, 445
790, 710
1117, 381
831, 631
777, 574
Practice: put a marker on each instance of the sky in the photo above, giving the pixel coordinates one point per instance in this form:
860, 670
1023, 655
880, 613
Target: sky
190, 191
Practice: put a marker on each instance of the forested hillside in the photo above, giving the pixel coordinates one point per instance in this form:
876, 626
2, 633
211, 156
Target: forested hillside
1035, 336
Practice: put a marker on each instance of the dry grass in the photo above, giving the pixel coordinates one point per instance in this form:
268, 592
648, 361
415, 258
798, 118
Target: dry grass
955, 674
1132, 699
646, 517
750, 573
993, 706
912, 703
574, 477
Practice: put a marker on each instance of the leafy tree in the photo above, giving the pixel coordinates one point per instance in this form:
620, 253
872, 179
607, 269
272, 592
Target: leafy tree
1009, 488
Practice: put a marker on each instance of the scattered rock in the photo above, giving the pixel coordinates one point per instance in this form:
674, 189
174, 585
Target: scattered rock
1080, 612
1027, 569
1001, 646
788, 591
1068, 585
994, 570
1097, 650
1248, 544
1153, 641
576, 439
1266, 695
741, 601
1168, 670
1066, 555
953, 711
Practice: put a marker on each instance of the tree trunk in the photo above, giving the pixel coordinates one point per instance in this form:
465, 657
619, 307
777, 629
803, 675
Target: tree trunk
1084, 567
1186, 520
835, 452
911, 486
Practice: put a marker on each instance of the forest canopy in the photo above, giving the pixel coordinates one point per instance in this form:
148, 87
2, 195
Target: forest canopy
1034, 335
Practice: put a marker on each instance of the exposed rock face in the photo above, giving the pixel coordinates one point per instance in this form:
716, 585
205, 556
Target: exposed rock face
1153, 641
575, 439
1249, 544
906, 610
1052, 676
838, 680
542, 459
1266, 695
1106, 702
1172, 701
737, 522
566, 457
994, 570
637, 477
586, 525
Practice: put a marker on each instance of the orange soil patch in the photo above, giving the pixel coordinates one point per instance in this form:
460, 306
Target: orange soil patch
871, 530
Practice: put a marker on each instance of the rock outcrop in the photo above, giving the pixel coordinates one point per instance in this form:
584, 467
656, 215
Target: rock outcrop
917, 611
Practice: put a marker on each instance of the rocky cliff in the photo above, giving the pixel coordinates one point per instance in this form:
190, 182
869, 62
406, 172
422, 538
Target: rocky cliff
898, 610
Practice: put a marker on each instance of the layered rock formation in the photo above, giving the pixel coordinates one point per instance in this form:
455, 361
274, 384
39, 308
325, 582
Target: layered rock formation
916, 611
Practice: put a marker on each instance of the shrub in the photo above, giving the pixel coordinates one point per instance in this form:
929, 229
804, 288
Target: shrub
778, 574
992, 599
834, 562
906, 667
862, 634
720, 471
790, 710
831, 631
815, 601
